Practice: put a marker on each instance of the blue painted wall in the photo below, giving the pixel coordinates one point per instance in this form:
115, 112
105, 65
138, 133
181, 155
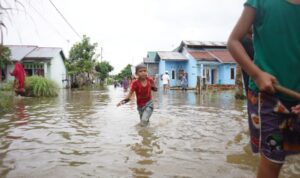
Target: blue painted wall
161, 70
172, 66
191, 70
194, 69
225, 74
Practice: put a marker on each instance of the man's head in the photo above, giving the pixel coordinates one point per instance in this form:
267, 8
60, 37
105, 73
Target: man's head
166, 72
141, 71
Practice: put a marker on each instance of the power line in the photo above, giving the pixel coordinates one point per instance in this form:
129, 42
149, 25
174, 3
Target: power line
50, 25
73, 29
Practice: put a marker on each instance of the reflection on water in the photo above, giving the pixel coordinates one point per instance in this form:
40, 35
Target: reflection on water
84, 134
145, 149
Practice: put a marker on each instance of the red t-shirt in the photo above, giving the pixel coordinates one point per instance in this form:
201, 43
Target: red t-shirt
143, 93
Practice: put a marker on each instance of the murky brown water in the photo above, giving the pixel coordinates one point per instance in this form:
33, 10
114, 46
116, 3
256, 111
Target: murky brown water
83, 134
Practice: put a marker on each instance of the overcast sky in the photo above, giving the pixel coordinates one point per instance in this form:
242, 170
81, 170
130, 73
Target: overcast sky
126, 29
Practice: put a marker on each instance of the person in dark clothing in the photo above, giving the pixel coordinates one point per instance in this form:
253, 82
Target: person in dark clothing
247, 43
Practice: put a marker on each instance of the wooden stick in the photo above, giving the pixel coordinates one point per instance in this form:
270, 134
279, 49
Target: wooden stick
287, 91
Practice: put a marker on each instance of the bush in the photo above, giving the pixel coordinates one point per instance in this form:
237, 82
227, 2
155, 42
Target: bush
39, 86
7, 86
6, 102
110, 81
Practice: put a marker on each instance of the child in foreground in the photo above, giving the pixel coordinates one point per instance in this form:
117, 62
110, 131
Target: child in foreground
142, 88
274, 119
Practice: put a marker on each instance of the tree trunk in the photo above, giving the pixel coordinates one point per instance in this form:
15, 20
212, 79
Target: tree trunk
239, 93
0, 74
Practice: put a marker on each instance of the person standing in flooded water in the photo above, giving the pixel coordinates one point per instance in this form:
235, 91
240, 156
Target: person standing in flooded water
19, 82
274, 118
125, 84
166, 81
142, 87
184, 82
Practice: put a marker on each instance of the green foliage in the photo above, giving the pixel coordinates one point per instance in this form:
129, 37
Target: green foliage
110, 81
7, 86
6, 102
4, 56
83, 50
103, 69
126, 72
36, 86
82, 57
71, 67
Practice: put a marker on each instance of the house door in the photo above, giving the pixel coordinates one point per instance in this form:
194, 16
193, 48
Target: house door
214, 76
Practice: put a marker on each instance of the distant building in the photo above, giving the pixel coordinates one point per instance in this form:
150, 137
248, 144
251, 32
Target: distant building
43, 61
151, 63
175, 63
209, 60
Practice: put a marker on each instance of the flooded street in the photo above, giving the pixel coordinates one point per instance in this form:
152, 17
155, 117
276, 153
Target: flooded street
84, 134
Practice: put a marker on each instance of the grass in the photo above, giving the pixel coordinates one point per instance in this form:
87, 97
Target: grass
6, 102
36, 86
6, 86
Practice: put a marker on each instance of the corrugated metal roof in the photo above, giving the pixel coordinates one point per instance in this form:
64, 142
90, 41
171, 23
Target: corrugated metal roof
149, 60
169, 55
199, 45
223, 56
19, 52
202, 55
44, 52
204, 43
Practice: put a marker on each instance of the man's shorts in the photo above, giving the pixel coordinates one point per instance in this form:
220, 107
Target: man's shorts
274, 129
145, 112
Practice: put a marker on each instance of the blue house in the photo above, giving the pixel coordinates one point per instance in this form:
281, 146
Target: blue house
175, 63
152, 64
208, 60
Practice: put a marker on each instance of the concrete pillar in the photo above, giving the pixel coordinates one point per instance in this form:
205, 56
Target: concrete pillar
46, 69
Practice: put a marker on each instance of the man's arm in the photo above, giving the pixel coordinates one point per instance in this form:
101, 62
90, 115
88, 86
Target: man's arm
263, 80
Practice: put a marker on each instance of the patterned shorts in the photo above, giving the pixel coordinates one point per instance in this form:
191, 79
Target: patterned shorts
274, 130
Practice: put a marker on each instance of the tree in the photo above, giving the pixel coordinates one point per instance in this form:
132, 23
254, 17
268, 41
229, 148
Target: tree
126, 72
4, 58
103, 69
81, 61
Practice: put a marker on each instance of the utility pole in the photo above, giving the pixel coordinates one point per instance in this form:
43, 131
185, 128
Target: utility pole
101, 54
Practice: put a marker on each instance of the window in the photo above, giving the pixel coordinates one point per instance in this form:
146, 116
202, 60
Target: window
173, 74
34, 69
232, 74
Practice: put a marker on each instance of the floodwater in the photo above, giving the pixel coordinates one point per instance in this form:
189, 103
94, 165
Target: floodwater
84, 134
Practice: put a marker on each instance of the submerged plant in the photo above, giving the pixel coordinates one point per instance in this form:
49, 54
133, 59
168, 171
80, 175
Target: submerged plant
6, 102
39, 86
6, 86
